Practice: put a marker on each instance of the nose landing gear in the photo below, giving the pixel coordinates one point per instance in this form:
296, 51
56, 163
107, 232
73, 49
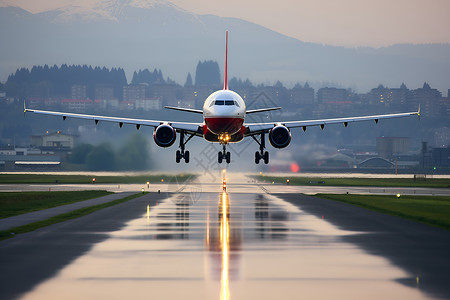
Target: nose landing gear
224, 155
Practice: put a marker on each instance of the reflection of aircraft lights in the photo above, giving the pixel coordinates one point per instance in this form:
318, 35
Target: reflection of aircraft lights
207, 228
225, 244
148, 213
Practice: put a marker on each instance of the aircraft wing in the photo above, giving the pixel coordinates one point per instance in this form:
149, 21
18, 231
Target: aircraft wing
192, 128
252, 111
257, 128
191, 110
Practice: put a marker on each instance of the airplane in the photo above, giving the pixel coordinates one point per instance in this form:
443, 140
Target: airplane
224, 114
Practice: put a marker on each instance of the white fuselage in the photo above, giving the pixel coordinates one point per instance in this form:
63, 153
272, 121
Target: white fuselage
224, 112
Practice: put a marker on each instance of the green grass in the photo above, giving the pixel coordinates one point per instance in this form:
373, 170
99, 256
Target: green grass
379, 182
16, 203
63, 217
432, 210
87, 179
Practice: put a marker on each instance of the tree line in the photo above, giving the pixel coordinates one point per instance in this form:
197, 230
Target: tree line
45, 81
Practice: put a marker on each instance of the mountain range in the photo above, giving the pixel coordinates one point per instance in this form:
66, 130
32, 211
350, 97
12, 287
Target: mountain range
138, 34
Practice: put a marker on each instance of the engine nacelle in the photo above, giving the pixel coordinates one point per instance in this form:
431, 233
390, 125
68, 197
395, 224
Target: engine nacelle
279, 136
164, 135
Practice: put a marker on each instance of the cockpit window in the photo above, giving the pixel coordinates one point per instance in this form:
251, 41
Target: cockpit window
224, 102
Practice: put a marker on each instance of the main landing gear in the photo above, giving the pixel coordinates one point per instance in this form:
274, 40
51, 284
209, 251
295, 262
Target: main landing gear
224, 155
261, 154
182, 154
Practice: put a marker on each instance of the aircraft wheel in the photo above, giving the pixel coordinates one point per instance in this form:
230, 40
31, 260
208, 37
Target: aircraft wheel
178, 156
220, 157
266, 157
186, 156
257, 157
228, 157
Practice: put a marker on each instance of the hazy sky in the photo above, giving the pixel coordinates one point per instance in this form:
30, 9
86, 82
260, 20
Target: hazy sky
336, 22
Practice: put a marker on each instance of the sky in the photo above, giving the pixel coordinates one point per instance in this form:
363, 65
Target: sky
350, 23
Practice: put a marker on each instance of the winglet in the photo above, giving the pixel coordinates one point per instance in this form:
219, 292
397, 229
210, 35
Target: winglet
418, 112
24, 108
225, 72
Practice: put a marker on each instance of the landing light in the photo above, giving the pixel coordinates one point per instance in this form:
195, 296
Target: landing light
398, 195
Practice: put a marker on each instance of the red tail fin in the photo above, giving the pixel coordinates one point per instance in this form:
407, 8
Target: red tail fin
225, 73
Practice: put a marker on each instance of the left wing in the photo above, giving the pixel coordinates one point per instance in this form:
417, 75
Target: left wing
256, 128
192, 128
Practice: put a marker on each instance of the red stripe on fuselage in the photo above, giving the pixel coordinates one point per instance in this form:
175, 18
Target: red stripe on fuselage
218, 125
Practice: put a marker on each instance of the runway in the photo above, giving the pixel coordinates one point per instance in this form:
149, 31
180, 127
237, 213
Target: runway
204, 244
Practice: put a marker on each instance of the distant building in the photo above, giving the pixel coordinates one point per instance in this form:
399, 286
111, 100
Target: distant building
53, 140
127, 105
134, 92
148, 104
441, 157
380, 96
104, 92
39, 103
17, 159
79, 91
429, 100
302, 95
442, 137
169, 93
194, 95
332, 95
400, 96
77, 105
388, 146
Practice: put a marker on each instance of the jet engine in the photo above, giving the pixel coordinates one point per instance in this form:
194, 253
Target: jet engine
164, 135
279, 136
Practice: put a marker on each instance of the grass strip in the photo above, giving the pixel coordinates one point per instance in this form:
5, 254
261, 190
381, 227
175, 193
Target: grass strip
375, 182
87, 179
431, 210
63, 217
16, 203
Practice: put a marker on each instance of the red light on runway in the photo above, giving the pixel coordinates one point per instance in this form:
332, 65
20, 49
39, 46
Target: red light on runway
295, 168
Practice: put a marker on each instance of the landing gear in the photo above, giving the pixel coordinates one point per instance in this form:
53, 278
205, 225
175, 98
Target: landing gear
182, 153
261, 154
224, 155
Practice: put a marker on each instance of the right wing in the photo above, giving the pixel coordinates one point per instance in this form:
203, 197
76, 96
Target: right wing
192, 128
197, 111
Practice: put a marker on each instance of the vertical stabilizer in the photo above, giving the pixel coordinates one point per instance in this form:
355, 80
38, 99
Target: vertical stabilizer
225, 72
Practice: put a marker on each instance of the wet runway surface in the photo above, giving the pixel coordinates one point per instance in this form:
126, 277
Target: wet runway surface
213, 245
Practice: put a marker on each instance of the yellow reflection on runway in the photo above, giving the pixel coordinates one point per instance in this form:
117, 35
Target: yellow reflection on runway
225, 247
